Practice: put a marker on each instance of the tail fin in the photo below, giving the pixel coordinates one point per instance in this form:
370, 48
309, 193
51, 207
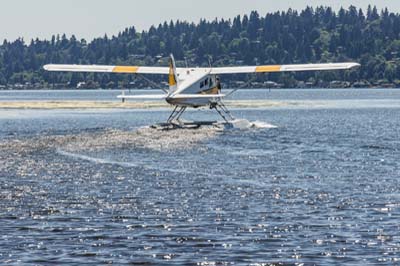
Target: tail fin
172, 77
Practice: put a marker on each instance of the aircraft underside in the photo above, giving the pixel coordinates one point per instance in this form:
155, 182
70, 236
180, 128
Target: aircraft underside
195, 103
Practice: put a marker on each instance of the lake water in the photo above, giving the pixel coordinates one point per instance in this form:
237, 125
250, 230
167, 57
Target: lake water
316, 183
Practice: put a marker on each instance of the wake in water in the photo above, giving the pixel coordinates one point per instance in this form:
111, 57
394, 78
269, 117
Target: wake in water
154, 138
95, 159
142, 138
120, 162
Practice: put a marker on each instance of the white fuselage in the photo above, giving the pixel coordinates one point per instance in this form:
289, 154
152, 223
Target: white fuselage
193, 81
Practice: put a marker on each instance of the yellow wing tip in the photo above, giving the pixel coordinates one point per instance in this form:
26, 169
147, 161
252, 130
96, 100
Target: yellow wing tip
261, 69
125, 69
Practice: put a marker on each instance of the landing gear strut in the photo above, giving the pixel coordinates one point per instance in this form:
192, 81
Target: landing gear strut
176, 114
222, 110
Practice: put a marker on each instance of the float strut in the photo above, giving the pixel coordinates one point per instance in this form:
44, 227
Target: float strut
176, 113
222, 111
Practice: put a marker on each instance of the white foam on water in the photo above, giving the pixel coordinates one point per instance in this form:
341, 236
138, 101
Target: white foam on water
261, 124
243, 124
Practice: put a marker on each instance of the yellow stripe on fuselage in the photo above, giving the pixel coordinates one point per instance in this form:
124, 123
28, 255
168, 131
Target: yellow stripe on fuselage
125, 69
210, 91
261, 69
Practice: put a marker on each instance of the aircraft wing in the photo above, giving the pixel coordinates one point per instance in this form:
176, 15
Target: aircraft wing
215, 70
282, 68
107, 69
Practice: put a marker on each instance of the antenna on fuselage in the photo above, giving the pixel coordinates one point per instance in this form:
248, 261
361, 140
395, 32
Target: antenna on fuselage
186, 63
209, 61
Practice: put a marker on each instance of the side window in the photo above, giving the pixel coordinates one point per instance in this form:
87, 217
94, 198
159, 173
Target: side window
206, 82
201, 84
211, 82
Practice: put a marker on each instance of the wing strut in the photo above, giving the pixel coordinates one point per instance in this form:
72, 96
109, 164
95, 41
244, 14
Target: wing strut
152, 83
243, 86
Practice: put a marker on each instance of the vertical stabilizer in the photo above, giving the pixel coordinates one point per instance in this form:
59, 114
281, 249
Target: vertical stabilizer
172, 77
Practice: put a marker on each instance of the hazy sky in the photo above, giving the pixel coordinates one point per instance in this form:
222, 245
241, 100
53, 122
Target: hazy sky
93, 18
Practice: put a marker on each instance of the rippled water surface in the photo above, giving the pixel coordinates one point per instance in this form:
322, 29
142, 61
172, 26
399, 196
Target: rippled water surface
322, 187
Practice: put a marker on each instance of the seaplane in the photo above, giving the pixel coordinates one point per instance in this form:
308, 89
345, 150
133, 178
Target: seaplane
195, 87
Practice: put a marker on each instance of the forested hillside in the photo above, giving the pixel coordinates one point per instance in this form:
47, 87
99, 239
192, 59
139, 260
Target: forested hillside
370, 37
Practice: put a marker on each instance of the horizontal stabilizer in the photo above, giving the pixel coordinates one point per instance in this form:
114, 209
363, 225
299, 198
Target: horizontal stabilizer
149, 96
197, 96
